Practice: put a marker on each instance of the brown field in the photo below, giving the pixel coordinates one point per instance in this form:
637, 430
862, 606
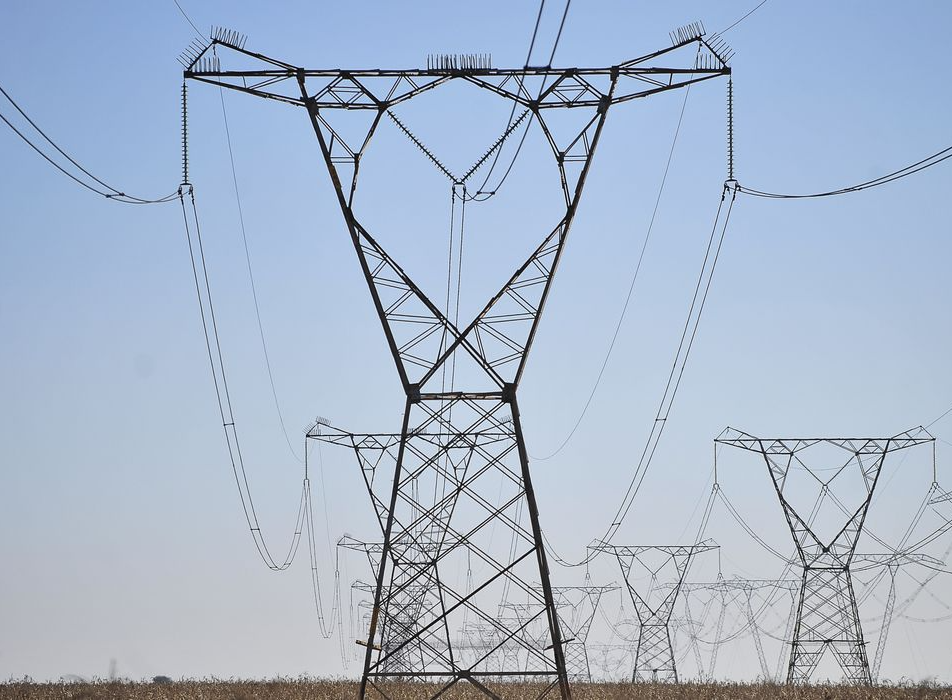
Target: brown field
346, 690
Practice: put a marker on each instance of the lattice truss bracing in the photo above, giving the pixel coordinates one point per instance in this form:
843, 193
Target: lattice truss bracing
451, 489
826, 536
492, 643
941, 497
729, 610
654, 603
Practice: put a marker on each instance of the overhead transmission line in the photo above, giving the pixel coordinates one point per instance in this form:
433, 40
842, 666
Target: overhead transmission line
481, 194
631, 287
305, 516
188, 19
676, 373
733, 24
911, 169
100, 187
944, 414
902, 548
196, 248
251, 277
661, 418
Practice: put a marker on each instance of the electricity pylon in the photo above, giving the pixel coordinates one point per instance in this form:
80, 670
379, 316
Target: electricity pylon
654, 655
483, 643
739, 595
827, 614
892, 561
365, 611
398, 624
576, 607
441, 498
372, 550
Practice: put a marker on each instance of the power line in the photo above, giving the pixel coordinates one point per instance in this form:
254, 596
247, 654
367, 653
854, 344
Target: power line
512, 114
108, 192
481, 195
688, 335
188, 19
944, 414
916, 167
251, 278
558, 36
216, 364
736, 22
631, 286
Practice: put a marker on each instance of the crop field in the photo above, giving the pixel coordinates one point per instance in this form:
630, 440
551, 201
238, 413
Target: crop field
346, 690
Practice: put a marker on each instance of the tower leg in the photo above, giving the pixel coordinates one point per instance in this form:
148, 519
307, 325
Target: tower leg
654, 660
462, 481
828, 618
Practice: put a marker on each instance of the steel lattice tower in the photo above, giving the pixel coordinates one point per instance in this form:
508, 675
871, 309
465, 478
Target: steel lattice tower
440, 498
740, 594
827, 615
576, 607
891, 561
654, 656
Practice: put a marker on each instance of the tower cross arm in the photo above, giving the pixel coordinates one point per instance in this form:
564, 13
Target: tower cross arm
370, 548
227, 64
324, 432
860, 446
670, 550
869, 561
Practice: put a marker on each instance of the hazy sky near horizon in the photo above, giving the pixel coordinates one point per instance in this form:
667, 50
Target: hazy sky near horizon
122, 533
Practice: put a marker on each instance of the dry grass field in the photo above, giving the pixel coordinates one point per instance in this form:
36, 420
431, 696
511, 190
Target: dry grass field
346, 690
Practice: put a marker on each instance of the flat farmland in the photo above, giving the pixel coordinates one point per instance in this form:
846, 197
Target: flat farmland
347, 690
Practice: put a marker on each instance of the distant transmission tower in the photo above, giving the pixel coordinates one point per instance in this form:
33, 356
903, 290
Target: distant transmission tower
827, 616
440, 499
738, 595
892, 561
482, 643
576, 606
654, 603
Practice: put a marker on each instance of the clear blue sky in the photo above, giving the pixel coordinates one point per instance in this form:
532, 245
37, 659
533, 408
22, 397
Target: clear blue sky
122, 535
